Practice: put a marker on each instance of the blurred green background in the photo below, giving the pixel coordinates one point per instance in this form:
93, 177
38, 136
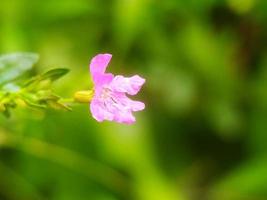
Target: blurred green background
203, 133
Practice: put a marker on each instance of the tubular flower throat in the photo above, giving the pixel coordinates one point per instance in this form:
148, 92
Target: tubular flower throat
110, 101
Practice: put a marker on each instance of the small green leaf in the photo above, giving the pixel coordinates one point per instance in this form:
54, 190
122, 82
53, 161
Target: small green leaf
44, 95
12, 66
44, 80
32, 101
54, 74
57, 105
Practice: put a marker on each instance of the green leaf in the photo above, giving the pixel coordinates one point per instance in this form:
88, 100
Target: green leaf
58, 105
46, 78
32, 101
54, 74
45, 95
12, 66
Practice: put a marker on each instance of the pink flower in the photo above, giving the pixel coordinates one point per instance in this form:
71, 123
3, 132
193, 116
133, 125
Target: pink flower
110, 101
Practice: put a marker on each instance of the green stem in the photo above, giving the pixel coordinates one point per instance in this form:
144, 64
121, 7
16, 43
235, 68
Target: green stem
10, 179
67, 100
96, 171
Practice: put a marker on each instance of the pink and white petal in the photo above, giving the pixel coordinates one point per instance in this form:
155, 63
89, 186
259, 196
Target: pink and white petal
102, 79
99, 63
125, 117
128, 103
136, 105
99, 112
112, 106
130, 85
122, 113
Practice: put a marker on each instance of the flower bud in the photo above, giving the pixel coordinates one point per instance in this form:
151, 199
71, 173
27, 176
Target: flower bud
83, 96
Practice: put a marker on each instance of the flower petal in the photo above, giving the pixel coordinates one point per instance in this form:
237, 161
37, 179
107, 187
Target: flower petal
130, 85
125, 117
102, 79
121, 113
99, 64
136, 105
99, 111
112, 111
126, 102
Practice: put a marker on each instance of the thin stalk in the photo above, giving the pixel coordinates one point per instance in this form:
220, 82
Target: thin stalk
72, 160
10, 179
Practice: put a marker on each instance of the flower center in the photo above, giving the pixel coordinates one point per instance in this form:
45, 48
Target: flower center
107, 96
105, 93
